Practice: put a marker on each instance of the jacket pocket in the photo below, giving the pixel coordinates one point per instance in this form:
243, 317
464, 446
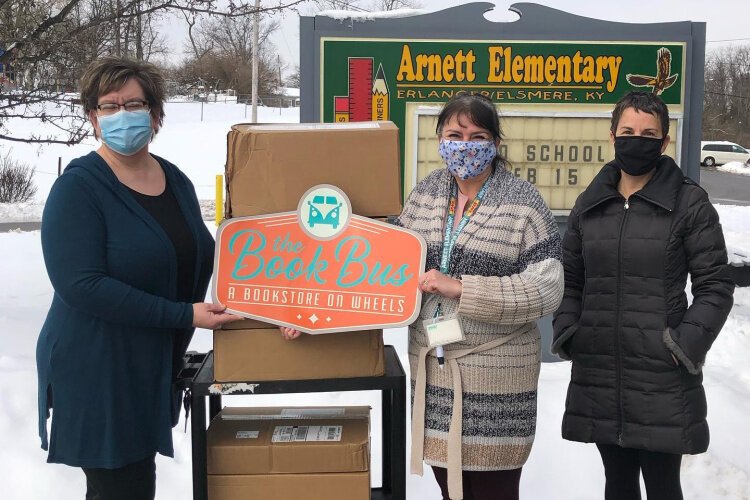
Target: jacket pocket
561, 345
674, 349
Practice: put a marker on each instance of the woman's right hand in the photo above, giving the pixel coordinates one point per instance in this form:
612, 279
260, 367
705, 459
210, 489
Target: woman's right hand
211, 316
289, 333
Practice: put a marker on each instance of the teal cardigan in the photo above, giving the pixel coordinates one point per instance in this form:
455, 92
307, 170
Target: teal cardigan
109, 348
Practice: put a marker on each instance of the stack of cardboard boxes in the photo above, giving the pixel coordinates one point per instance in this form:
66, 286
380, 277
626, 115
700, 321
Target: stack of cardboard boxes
269, 168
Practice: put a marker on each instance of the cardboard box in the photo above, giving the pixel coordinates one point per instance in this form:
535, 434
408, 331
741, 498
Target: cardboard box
245, 441
270, 167
245, 462
333, 486
262, 354
247, 324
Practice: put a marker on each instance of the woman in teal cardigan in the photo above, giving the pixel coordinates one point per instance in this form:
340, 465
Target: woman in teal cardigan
130, 259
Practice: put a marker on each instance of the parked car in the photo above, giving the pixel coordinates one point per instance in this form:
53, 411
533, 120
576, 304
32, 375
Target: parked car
721, 152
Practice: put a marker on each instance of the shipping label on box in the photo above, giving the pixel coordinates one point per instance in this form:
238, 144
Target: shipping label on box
306, 433
247, 434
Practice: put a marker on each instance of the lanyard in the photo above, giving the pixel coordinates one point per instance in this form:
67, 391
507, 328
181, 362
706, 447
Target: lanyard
451, 236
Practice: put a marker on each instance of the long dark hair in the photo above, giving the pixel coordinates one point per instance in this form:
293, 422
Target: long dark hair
482, 113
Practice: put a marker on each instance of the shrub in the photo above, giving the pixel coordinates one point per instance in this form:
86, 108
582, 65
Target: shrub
16, 180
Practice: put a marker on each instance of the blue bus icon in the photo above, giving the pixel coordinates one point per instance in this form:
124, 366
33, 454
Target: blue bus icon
324, 210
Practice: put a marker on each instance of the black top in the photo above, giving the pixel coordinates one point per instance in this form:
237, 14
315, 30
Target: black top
165, 209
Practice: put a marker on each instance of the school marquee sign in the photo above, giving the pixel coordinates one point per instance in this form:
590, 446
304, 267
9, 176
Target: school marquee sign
555, 77
362, 74
565, 86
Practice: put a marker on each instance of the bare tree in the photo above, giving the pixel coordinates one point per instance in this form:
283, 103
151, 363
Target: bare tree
139, 38
221, 54
726, 101
337, 4
193, 44
16, 180
293, 79
46, 44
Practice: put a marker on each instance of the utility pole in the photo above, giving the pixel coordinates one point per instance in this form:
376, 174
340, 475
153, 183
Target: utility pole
280, 89
256, 29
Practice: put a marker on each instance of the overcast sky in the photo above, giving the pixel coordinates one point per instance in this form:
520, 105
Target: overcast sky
725, 19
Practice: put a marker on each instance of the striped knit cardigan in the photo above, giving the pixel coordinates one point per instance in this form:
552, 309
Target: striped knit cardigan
508, 258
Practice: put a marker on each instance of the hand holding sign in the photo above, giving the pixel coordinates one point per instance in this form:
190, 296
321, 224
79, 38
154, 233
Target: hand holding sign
211, 316
289, 333
433, 281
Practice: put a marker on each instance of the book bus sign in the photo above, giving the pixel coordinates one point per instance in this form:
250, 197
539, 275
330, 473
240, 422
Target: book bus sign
320, 269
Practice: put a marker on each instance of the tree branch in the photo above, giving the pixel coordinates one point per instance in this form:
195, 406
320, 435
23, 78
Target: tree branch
36, 140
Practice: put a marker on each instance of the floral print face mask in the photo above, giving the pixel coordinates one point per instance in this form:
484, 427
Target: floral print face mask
467, 159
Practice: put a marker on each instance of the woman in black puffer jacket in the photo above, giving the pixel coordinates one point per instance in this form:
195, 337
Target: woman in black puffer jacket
637, 348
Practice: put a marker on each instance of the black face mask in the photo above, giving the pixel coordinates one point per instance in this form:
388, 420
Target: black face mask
637, 155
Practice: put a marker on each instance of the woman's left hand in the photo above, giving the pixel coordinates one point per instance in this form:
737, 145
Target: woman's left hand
289, 333
433, 281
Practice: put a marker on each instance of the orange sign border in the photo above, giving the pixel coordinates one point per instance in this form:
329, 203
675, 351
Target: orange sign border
390, 227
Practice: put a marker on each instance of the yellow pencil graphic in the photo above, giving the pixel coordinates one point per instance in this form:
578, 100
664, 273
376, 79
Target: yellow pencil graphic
380, 96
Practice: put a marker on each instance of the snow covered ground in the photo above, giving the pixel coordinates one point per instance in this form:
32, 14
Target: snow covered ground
557, 469
735, 167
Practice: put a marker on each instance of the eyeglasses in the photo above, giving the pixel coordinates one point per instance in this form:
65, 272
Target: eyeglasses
110, 108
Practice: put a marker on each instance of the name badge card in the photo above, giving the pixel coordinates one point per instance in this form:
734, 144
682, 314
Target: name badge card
443, 330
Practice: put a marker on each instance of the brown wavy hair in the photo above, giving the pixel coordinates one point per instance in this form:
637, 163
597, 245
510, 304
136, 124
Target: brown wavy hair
107, 74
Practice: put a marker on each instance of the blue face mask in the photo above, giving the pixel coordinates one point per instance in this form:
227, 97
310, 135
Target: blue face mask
467, 159
126, 132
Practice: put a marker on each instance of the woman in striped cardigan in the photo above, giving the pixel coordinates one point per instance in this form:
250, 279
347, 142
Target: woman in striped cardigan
499, 268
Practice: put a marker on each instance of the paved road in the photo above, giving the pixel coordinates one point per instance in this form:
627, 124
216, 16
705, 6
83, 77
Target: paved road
23, 226
725, 188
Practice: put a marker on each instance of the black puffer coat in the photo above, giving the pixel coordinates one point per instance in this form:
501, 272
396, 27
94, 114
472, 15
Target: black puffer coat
625, 315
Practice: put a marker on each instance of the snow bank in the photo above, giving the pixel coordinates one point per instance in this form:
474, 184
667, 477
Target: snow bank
735, 167
21, 212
